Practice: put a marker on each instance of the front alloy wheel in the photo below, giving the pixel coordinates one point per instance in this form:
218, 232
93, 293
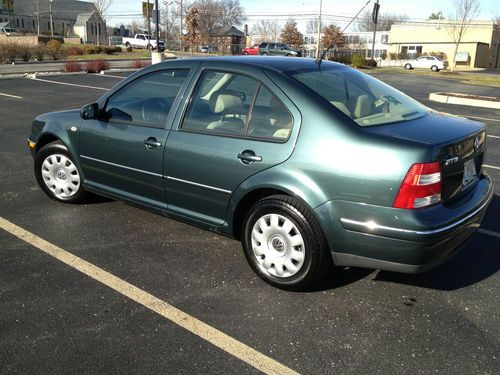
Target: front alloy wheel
284, 243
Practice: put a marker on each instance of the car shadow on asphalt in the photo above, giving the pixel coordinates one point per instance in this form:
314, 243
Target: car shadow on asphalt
477, 261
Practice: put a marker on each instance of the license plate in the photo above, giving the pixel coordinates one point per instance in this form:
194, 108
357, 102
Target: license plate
469, 172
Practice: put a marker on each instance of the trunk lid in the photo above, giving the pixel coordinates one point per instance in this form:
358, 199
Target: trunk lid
458, 144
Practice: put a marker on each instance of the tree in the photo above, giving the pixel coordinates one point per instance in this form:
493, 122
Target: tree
101, 7
465, 11
170, 23
496, 20
291, 35
216, 16
266, 31
34, 9
436, 16
385, 21
233, 13
192, 26
332, 36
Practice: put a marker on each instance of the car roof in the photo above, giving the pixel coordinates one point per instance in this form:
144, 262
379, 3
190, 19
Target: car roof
282, 64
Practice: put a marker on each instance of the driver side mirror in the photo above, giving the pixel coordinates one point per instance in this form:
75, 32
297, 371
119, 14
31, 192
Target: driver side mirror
89, 111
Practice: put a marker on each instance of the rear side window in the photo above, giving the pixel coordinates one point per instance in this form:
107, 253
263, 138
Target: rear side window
232, 104
147, 100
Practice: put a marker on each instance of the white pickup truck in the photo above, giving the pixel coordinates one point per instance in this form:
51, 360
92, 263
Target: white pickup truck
142, 41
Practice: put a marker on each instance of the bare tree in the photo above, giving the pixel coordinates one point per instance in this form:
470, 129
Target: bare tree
101, 7
170, 23
384, 23
265, 30
34, 9
192, 26
496, 20
233, 13
465, 11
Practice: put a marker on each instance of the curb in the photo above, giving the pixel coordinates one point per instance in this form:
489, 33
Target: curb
463, 99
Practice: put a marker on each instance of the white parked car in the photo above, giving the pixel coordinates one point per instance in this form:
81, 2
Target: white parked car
427, 62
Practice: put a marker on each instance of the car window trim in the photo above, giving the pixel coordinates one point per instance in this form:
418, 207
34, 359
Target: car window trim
146, 124
188, 102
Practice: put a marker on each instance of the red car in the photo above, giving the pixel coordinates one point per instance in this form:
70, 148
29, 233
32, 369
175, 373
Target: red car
254, 50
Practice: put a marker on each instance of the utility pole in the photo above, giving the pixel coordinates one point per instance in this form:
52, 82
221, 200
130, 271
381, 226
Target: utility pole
376, 7
148, 14
180, 30
318, 42
157, 26
50, 16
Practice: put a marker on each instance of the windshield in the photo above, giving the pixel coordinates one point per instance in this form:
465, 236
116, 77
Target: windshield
364, 99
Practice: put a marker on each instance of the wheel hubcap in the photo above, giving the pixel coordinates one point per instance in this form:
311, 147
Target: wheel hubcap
278, 246
60, 175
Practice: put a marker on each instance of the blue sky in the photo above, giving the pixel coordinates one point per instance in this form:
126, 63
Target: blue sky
303, 10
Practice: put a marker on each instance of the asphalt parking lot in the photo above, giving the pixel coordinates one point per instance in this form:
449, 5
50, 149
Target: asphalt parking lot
55, 318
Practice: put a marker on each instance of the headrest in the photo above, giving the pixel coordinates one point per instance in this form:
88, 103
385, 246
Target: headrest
226, 101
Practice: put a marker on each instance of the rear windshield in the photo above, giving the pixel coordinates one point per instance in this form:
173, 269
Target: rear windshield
364, 99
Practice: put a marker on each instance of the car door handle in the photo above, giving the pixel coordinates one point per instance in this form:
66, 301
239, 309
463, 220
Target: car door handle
249, 157
152, 143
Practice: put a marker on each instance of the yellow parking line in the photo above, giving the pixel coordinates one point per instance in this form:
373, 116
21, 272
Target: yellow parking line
489, 233
10, 96
491, 166
212, 335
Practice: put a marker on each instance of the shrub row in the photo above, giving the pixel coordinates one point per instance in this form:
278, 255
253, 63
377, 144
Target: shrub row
91, 50
12, 51
94, 66
356, 60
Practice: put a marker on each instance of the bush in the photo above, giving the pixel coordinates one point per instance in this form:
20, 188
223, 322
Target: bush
346, 59
54, 49
72, 66
97, 66
129, 49
9, 52
89, 50
371, 63
139, 64
40, 51
111, 50
393, 56
25, 51
98, 50
74, 51
358, 60
118, 49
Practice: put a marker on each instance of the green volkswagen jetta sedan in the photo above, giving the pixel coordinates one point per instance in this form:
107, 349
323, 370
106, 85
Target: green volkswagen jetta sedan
307, 164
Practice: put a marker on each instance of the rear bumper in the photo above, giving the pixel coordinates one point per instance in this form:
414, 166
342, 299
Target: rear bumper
407, 241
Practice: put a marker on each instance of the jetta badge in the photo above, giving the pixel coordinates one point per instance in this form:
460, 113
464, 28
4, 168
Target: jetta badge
477, 144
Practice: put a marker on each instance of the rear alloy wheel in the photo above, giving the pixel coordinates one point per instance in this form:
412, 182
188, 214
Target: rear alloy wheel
434, 68
57, 174
408, 66
284, 244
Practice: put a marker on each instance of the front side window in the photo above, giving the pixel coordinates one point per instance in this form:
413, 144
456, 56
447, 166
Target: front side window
237, 105
364, 99
147, 100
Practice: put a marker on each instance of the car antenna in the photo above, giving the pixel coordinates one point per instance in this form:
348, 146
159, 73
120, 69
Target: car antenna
320, 59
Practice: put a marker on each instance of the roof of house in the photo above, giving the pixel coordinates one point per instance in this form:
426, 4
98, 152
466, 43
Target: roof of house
83, 18
233, 31
61, 9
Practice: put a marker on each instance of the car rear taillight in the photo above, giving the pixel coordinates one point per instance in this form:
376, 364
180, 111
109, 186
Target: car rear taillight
421, 186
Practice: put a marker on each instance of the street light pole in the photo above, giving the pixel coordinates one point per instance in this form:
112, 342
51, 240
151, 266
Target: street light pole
180, 30
319, 30
157, 26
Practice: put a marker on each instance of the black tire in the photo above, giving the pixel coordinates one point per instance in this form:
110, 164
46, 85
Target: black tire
288, 55
264, 54
434, 68
408, 66
128, 45
299, 221
59, 182
245, 53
